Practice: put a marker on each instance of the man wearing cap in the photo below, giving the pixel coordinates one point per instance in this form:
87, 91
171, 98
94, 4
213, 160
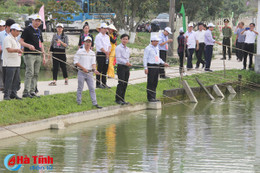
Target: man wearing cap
200, 34
227, 34
85, 60
103, 48
2, 25
4, 34
12, 61
152, 61
209, 43
163, 47
32, 42
192, 43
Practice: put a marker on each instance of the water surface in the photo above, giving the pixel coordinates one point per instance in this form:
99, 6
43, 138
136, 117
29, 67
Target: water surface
211, 136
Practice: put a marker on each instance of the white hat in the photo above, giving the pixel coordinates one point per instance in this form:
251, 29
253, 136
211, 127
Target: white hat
181, 30
87, 38
111, 26
211, 25
59, 25
103, 25
16, 26
168, 29
155, 38
2, 22
35, 17
190, 25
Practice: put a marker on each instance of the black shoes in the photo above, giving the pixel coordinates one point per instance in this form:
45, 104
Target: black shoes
103, 86
27, 95
164, 77
15, 97
121, 102
223, 59
97, 106
153, 100
34, 95
208, 70
100, 86
7, 98
108, 87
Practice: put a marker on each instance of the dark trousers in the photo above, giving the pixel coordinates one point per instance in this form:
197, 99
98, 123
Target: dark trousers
123, 75
58, 64
163, 56
199, 54
208, 56
12, 81
189, 61
226, 41
249, 48
239, 53
102, 67
152, 81
181, 56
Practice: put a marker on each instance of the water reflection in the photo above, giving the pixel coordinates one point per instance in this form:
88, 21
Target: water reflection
211, 136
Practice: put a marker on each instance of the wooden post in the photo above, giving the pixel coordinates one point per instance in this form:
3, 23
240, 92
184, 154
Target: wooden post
205, 89
218, 91
171, 25
231, 89
189, 92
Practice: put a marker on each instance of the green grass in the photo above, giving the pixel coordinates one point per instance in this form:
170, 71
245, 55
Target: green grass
15, 111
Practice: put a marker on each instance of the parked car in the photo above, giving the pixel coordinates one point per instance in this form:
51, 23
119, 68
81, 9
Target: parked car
160, 22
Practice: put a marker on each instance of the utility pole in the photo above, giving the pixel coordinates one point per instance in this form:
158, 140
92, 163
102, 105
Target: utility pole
257, 57
171, 25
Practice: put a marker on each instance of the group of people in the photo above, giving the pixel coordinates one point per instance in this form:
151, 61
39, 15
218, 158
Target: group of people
107, 54
202, 42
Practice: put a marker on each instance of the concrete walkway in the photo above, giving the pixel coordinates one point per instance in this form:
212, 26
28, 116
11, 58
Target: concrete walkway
137, 76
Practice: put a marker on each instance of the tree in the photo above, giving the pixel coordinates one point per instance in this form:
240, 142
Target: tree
61, 10
238, 7
200, 10
129, 13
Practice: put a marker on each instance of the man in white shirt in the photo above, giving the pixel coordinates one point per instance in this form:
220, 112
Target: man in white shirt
85, 60
12, 61
103, 48
250, 34
192, 41
200, 34
152, 61
3, 34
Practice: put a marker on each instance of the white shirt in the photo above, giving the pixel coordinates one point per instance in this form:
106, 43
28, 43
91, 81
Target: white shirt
200, 35
84, 58
11, 59
122, 54
250, 37
151, 56
191, 41
102, 41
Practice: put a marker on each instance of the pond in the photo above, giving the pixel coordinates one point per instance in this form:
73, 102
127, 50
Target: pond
211, 136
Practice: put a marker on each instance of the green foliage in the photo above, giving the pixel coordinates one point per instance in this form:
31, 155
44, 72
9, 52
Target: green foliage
53, 9
9, 9
130, 12
16, 111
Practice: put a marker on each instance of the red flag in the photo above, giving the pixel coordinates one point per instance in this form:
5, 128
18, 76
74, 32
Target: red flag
41, 13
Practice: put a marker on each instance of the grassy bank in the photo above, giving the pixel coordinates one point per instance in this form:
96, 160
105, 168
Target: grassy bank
15, 111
